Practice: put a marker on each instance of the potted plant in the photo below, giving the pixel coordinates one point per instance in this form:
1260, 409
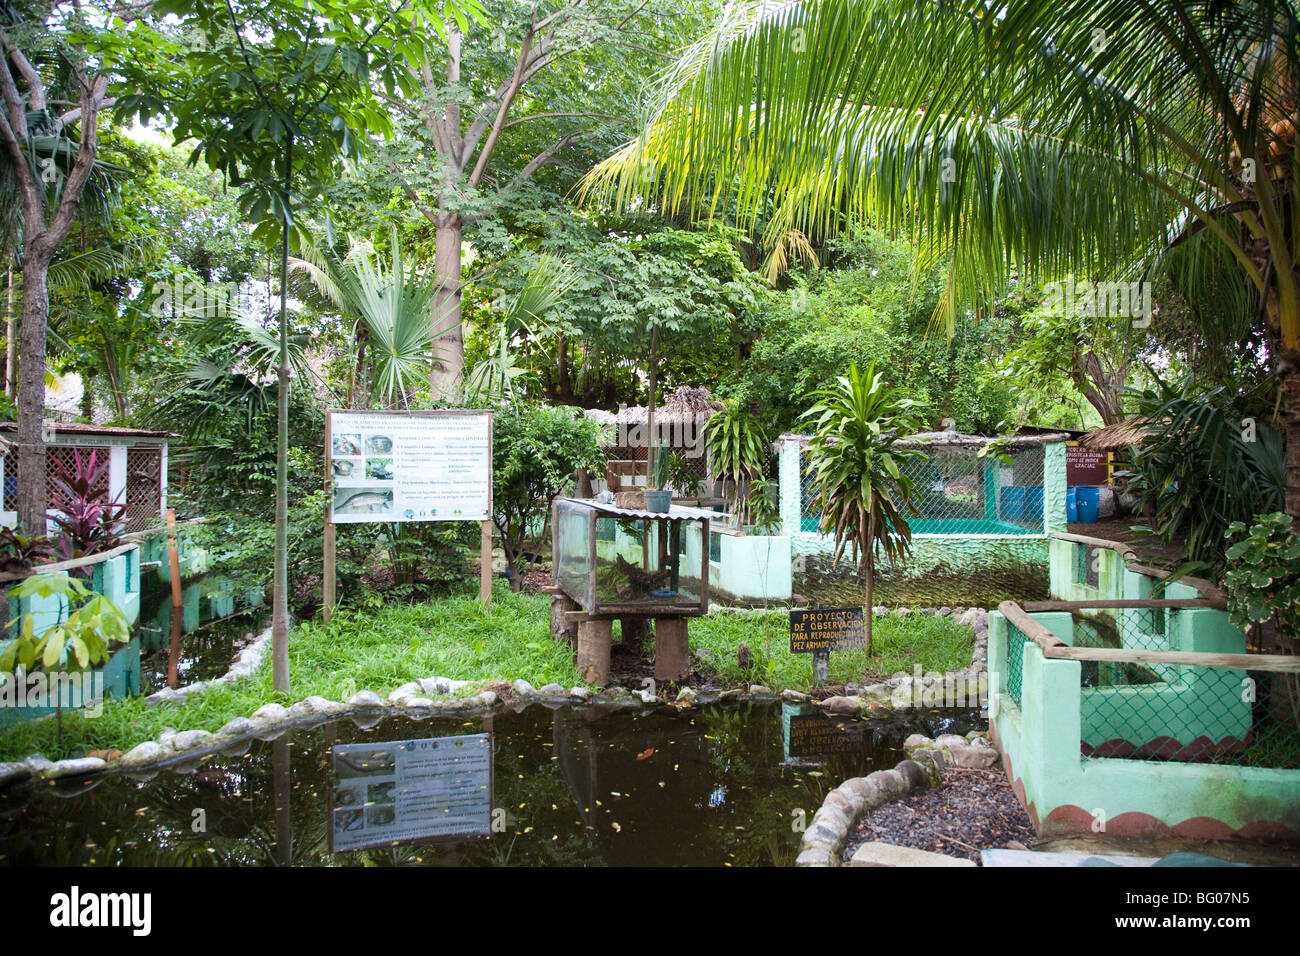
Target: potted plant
659, 499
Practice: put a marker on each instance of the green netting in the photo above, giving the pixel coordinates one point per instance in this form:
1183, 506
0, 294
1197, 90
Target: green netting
957, 492
1157, 711
1015, 662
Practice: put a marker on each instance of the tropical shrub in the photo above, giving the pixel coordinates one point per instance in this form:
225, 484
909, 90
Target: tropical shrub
854, 462
88, 521
92, 624
535, 451
1210, 459
1262, 577
736, 443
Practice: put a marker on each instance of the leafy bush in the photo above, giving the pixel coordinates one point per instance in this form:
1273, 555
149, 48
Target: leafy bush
535, 450
1210, 459
1263, 574
89, 522
91, 624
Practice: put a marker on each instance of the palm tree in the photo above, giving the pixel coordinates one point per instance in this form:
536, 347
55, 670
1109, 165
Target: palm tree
494, 377
392, 305
1112, 139
858, 486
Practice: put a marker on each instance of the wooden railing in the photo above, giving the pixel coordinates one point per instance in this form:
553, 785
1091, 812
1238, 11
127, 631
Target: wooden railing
1053, 647
1208, 589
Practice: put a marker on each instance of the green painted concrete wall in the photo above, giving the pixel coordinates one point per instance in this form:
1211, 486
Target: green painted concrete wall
1040, 742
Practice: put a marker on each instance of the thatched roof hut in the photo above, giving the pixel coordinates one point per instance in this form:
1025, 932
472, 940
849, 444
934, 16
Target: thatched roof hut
1118, 437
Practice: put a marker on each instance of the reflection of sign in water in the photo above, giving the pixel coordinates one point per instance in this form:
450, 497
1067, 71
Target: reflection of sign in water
408, 466
402, 790
1083, 466
813, 735
832, 629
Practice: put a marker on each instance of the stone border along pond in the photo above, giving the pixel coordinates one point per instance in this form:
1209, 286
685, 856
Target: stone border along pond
183, 750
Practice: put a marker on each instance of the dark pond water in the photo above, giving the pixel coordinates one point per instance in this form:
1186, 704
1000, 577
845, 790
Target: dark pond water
719, 785
203, 654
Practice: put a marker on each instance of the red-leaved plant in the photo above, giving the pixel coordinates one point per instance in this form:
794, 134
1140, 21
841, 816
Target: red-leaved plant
88, 520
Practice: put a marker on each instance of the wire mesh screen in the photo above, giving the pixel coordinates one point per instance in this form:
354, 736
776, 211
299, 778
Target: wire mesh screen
143, 487
957, 491
1015, 662
1180, 712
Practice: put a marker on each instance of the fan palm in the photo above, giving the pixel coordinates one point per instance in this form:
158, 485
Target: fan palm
1107, 138
494, 377
857, 484
389, 300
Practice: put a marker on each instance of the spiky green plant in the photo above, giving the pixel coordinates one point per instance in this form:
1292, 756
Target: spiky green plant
854, 462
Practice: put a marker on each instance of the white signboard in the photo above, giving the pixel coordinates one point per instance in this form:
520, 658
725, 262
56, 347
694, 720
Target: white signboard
410, 466
386, 793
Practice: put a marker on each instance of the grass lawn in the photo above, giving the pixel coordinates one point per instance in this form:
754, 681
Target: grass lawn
380, 649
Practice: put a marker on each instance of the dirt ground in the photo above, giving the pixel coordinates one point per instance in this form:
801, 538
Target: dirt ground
973, 810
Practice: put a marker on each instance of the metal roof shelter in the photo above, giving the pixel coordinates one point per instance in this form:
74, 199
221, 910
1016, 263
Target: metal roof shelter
137, 469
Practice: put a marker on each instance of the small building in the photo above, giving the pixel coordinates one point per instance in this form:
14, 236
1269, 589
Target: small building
137, 469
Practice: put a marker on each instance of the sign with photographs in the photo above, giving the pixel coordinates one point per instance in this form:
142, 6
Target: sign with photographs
410, 466
404, 790
830, 629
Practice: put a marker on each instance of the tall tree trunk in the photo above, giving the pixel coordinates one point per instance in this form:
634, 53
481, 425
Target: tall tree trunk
870, 557
11, 338
563, 383
1289, 371
33, 497
448, 338
650, 410
280, 587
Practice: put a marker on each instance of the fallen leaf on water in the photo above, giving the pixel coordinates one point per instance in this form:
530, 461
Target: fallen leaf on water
646, 754
617, 828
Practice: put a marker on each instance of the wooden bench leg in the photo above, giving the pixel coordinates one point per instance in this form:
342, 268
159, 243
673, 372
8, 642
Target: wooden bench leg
562, 629
672, 649
593, 651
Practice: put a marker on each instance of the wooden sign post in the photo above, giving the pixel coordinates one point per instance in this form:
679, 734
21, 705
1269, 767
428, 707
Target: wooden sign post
400, 466
822, 630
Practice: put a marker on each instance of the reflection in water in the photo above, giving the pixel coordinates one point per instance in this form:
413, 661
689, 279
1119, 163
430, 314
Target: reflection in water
586, 785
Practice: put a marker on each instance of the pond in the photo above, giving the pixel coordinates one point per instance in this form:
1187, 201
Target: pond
592, 785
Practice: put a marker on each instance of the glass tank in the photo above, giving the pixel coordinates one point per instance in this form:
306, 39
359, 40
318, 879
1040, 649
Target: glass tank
619, 559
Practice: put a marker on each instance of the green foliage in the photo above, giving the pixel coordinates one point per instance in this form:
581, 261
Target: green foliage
764, 506
535, 451
1262, 575
20, 552
92, 623
391, 302
935, 644
858, 487
1211, 459
737, 445
866, 304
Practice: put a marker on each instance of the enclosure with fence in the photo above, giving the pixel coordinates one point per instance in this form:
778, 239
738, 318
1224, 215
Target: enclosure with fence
1137, 716
980, 515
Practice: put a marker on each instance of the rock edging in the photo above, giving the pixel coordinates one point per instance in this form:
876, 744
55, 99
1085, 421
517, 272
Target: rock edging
245, 665
855, 798
846, 805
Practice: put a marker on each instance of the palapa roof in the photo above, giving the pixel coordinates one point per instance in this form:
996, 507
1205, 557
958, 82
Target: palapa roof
1119, 436
685, 404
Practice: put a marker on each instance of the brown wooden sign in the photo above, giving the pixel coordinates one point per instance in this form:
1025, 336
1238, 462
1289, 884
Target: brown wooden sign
829, 629
1084, 466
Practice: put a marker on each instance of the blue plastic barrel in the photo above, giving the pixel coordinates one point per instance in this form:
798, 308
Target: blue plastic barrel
1088, 499
1013, 503
1033, 503
1071, 506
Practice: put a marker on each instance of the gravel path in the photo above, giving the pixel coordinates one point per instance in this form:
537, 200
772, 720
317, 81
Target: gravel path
973, 810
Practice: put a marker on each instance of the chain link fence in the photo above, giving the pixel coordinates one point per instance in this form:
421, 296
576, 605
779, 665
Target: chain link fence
1160, 711
957, 491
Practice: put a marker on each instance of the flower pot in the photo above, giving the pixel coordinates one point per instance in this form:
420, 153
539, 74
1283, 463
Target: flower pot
658, 502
